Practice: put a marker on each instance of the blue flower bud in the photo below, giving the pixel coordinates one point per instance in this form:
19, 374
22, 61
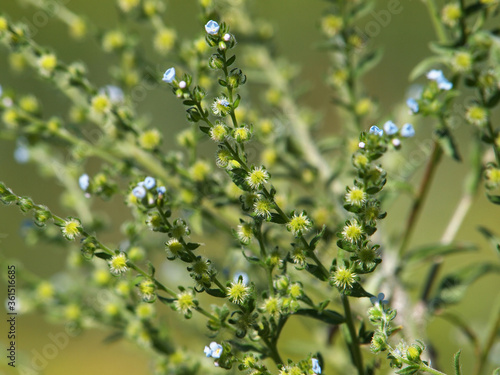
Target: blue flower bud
139, 192
413, 105
149, 183
84, 182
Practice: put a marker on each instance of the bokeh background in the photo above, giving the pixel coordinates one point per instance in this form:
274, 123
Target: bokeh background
405, 41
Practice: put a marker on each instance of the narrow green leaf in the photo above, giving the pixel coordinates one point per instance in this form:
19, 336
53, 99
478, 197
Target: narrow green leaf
315, 271
327, 316
277, 219
368, 62
231, 60
494, 198
425, 65
358, 291
492, 238
103, 255
193, 245
409, 370
317, 238
453, 287
427, 252
165, 300
216, 293
238, 175
448, 144
456, 363
113, 337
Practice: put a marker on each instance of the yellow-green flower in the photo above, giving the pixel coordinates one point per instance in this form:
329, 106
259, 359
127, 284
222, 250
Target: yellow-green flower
343, 278
450, 14
118, 264
355, 196
113, 40
352, 231
185, 302
219, 132
150, 139
71, 229
331, 25
47, 63
238, 292
257, 177
147, 290
245, 232
476, 115
299, 224
165, 40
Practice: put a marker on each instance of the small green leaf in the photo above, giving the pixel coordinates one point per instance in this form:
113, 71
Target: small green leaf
277, 219
315, 271
165, 300
239, 175
317, 238
113, 337
409, 370
494, 198
216, 293
425, 65
490, 236
193, 245
448, 144
231, 60
368, 62
327, 316
453, 287
103, 255
358, 291
456, 363
189, 102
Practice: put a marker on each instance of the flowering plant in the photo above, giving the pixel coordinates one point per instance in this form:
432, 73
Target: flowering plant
279, 227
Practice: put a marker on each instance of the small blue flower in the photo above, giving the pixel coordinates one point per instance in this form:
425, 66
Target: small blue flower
244, 277
407, 131
114, 93
379, 299
169, 75
161, 190
21, 153
1, 90
84, 181
149, 183
376, 130
440, 79
413, 105
212, 27
315, 366
139, 192
214, 351
390, 128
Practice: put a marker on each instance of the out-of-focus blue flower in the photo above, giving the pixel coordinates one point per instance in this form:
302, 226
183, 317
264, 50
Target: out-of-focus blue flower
21, 153
139, 192
407, 131
114, 93
315, 366
413, 105
214, 350
169, 75
376, 130
440, 79
379, 299
161, 190
390, 128
244, 277
149, 183
84, 181
212, 27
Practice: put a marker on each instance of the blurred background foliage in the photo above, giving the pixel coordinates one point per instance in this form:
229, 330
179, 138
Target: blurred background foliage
296, 37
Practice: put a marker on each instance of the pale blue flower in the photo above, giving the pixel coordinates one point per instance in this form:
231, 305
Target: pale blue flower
21, 154
169, 75
407, 131
376, 130
1, 90
379, 299
139, 192
214, 350
440, 79
413, 105
315, 366
212, 27
84, 181
114, 93
161, 190
390, 128
244, 277
149, 183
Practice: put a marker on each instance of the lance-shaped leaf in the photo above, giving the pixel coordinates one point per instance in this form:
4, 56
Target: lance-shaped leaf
492, 238
427, 252
326, 316
453, 287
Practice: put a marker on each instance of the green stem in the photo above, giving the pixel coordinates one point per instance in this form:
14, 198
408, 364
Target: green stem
436, 20
493, 334
354, 340
416, 208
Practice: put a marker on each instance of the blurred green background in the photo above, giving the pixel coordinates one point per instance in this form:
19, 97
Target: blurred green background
405, 41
